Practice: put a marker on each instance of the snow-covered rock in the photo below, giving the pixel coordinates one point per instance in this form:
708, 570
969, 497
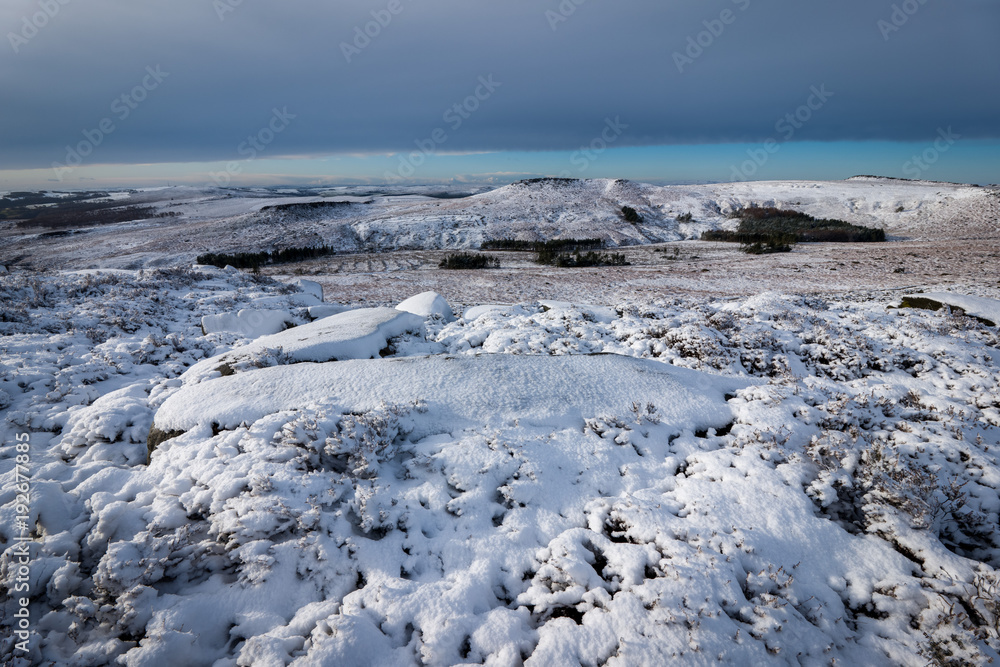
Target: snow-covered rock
251, 323
427, 304
353, 334
309, 287
475, 312
297, 299
482, 390
326, 310
975, 306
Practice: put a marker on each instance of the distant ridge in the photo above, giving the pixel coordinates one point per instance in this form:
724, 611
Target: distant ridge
870, 177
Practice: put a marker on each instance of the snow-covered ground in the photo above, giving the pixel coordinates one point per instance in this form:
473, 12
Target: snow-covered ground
765, 479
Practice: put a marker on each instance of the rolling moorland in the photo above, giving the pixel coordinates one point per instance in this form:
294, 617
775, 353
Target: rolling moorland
360, 456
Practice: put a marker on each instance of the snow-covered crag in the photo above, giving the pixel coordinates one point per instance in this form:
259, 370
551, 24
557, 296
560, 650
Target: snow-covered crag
765, 480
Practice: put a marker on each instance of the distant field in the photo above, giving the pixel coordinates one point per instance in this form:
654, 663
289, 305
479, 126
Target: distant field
690, 267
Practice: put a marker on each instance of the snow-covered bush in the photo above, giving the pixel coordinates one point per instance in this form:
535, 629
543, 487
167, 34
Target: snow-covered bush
263, 357
363, 441
353, 443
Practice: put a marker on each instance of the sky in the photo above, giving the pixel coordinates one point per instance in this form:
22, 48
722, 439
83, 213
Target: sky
109, 93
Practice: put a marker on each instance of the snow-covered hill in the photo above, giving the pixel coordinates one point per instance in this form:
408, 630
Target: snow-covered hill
226, 221
552, 208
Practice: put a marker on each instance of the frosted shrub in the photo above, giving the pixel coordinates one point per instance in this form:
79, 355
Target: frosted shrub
949, 634
648, 413
263, 358
175, 275
357, 446
890, 481
362, 442
613, 428
857, 486
15, 312
304, 432
353, 443
697, 343
984, 601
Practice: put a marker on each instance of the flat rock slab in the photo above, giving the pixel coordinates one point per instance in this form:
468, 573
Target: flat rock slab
986, 311
463, 391
249, 322
354, 334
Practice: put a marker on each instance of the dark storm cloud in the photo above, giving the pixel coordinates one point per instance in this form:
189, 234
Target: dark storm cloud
674, 72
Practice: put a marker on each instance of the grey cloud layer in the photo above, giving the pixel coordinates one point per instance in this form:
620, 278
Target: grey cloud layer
939, 68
